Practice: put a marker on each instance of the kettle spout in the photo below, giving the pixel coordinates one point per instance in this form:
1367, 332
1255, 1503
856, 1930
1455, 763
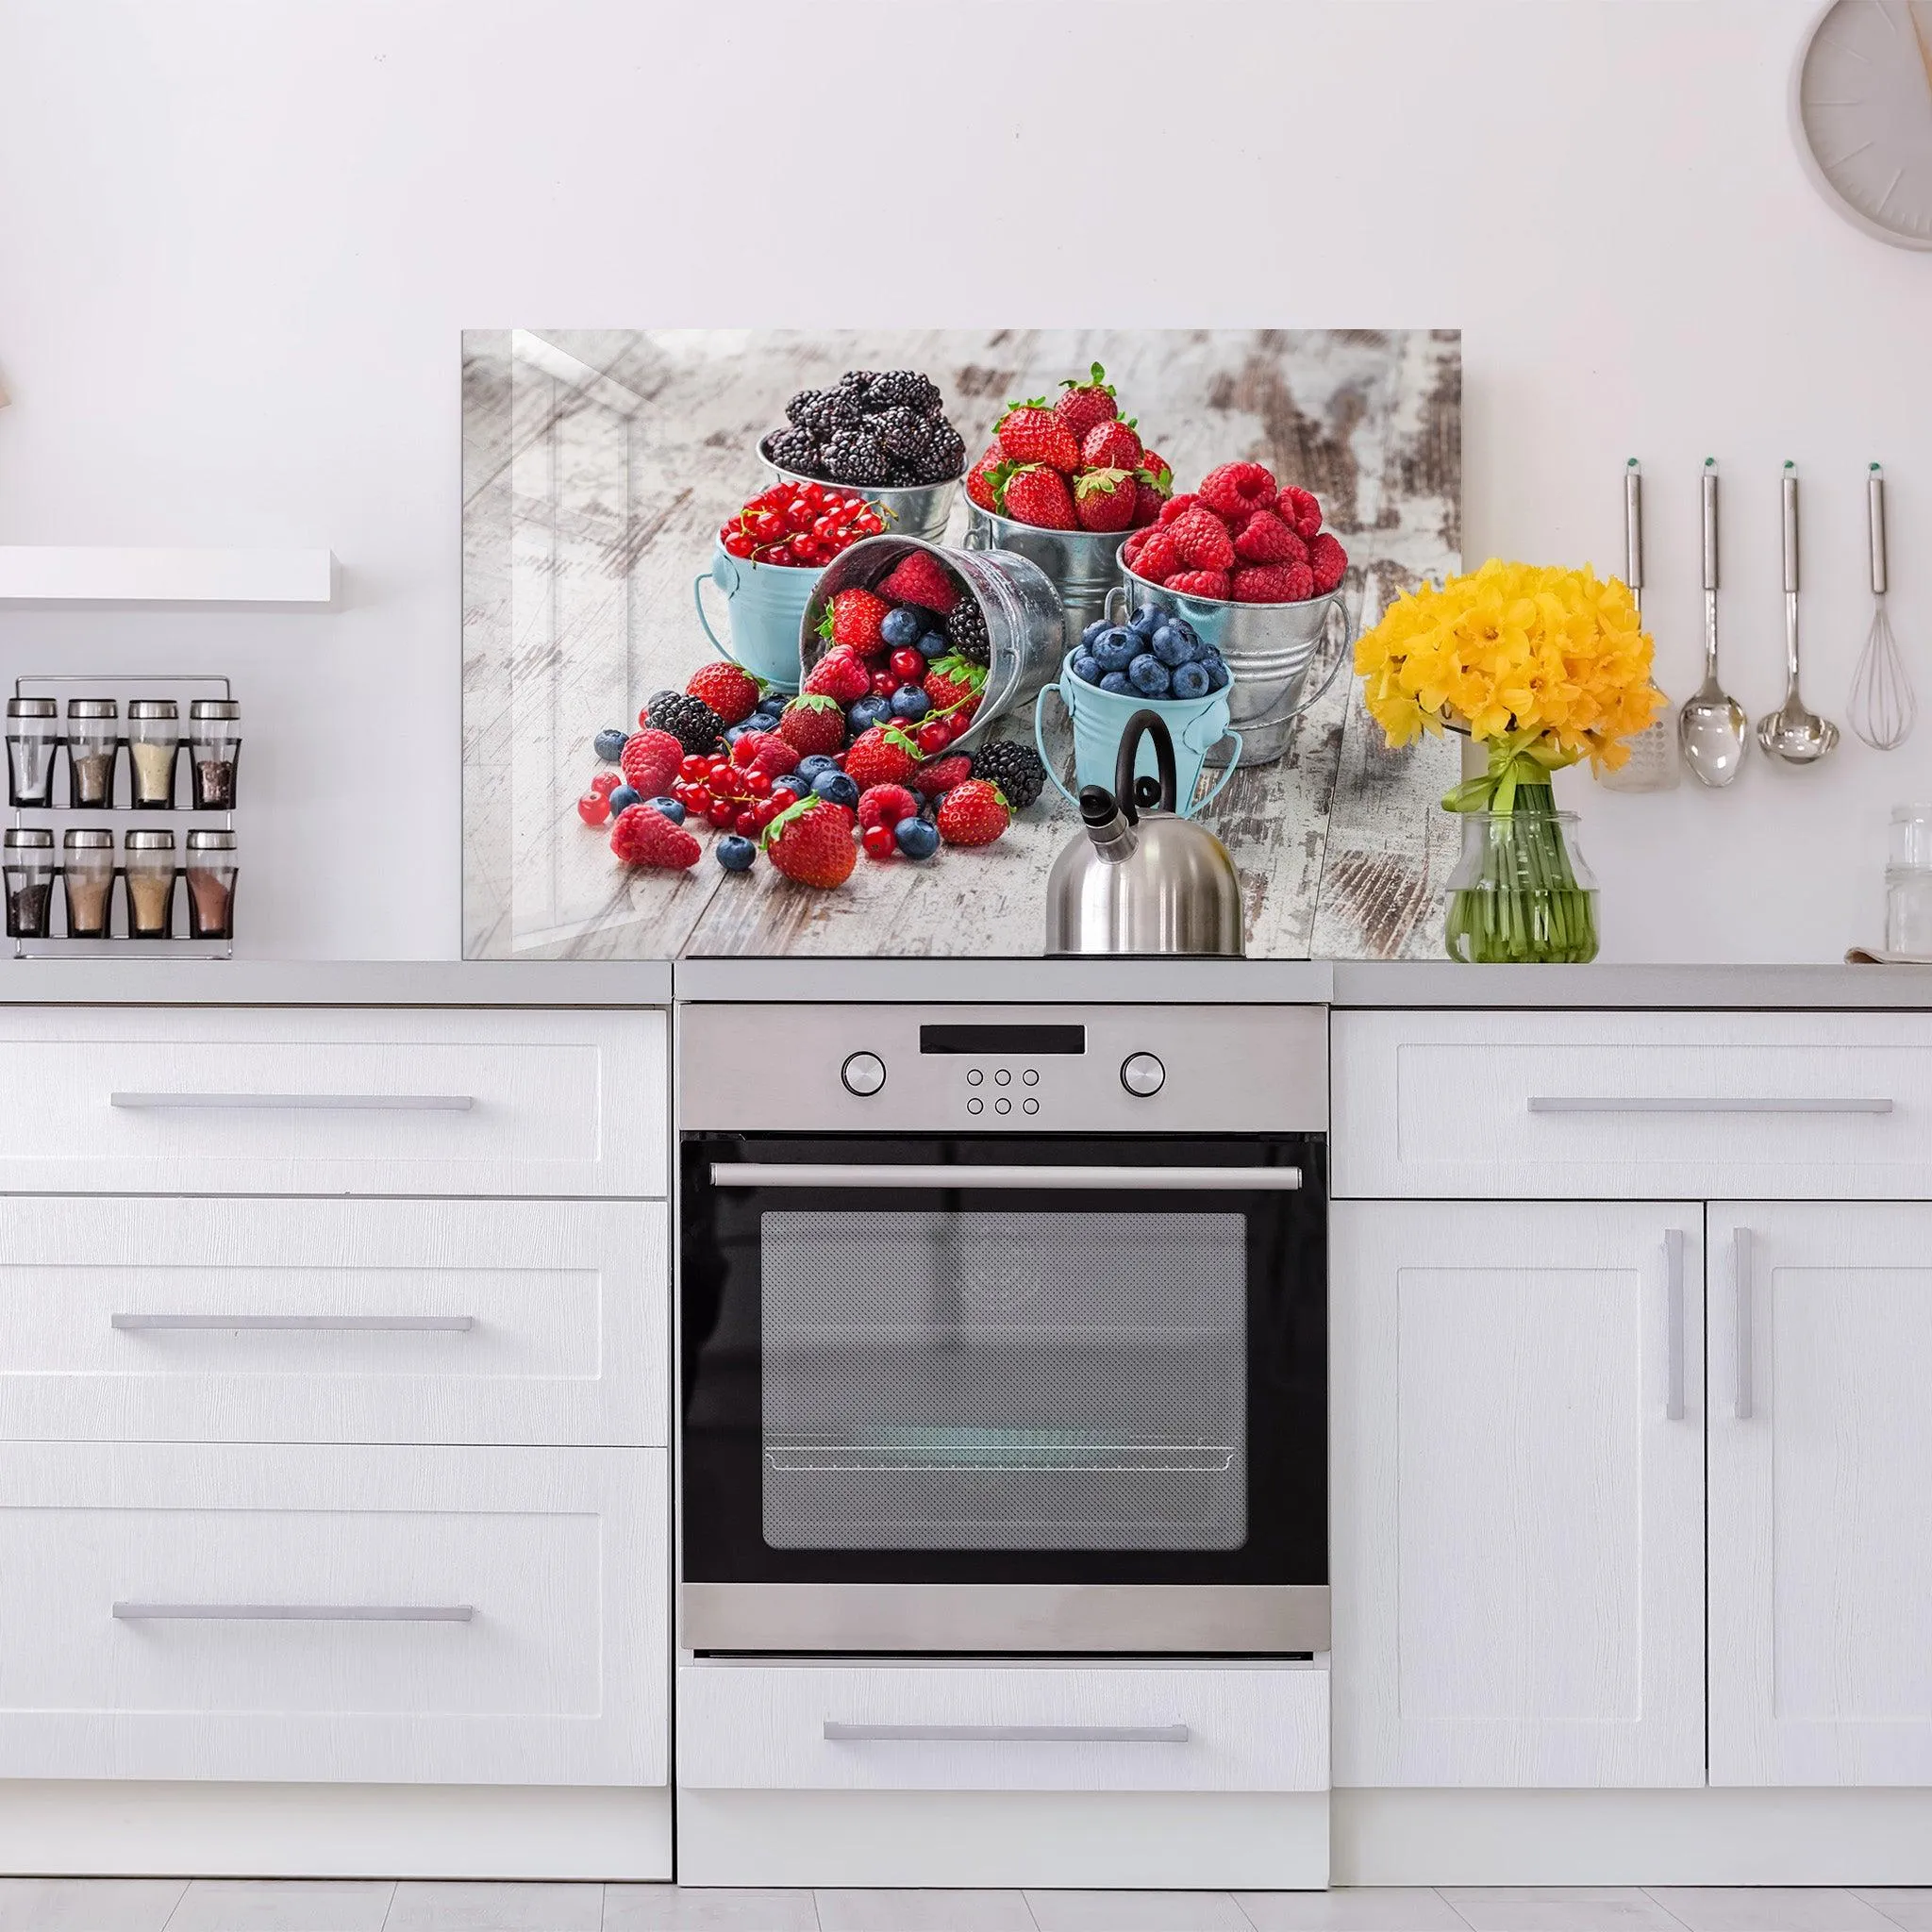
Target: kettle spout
1112, 835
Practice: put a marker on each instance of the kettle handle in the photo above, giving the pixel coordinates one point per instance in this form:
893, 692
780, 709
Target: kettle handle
1143, 721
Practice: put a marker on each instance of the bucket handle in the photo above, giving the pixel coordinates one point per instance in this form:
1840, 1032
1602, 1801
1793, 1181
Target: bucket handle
1040, 737
697, 590
1229, 770
1309, 699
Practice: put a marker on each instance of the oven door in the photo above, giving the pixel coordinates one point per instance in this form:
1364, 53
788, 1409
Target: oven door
1003, 1394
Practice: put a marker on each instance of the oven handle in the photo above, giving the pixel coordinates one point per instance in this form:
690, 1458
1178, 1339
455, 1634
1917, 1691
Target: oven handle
807, 1174
837, 1733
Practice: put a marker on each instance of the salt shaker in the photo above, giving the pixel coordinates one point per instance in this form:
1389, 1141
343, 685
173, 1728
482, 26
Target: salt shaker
211, 872
1908, 883
148, 860
93, 742
29, 869
33, 732
87, 871
154, 732
214, 744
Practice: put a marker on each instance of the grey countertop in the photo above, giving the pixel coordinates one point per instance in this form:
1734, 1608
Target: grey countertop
332, 983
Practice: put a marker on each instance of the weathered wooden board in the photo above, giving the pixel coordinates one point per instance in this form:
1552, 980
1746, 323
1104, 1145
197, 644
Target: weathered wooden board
597, 466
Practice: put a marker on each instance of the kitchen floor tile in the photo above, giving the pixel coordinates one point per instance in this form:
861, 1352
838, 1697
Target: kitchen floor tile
1371, 1908
1768, 1908
924, 1911
87, 1904
707, 1908
1907, 1906
1559, 1908
1136, 1911
423, 1907
283, 1905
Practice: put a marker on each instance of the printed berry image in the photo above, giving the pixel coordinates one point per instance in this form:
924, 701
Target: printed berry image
1240, 538
871, 430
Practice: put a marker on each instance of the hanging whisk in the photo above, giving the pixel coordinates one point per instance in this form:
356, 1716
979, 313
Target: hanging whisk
1882, 705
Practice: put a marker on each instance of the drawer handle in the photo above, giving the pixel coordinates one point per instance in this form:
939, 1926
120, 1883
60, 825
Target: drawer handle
454, 1324
837, 1733
816, 1175
1741, 1285
1559, 1103
1673, 1324
326, 1102
296, 1613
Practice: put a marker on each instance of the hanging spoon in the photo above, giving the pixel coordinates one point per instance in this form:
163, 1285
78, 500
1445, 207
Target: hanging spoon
1793, 733
1711, 725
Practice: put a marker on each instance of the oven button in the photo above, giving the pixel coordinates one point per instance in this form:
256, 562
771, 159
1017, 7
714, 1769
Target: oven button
973, 1077
863, 1074
1032, 1104
1141, 1074
1003, 1106
1003, 1079
1031, 1077
975, 1105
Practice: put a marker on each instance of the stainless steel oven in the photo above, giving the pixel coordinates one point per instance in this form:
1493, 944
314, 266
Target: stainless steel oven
1003, 1329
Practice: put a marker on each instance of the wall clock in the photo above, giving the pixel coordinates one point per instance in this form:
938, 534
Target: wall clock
1861, 114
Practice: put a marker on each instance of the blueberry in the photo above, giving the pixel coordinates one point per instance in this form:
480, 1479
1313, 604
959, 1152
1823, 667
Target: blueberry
766, 717
934, 646
1115, 649
1095, 631
835, 788
609, 744
1085, 667
1191, 681
903, 625
1147, 619
918, 838
868, 712
1187, 630
809, 768
669, 806
624, 796
1117, 682
1149, 677
1171, 647
734, 732
1217, 673
909, 700
736, 854
788, 787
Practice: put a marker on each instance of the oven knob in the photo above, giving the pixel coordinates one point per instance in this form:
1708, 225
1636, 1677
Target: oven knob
1141, 1074
863, 1073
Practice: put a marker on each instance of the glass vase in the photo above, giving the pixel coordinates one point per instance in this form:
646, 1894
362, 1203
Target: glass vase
1521, 893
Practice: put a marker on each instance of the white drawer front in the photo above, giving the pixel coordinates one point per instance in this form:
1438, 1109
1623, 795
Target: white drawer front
302, 1321
1633, 1106
1054, 1727
531, 1647
328, 1102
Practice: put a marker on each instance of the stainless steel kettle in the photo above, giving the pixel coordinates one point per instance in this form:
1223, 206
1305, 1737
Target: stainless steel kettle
1142, 880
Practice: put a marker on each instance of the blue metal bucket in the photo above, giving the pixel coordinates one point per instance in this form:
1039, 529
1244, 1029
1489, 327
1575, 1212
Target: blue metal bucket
1099, 717
766, 602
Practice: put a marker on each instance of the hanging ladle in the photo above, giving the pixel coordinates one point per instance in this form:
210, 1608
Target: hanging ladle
1793, 733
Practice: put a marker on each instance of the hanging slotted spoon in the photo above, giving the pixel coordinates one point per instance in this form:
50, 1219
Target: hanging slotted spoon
1711, 728
1882, 707
1793, 732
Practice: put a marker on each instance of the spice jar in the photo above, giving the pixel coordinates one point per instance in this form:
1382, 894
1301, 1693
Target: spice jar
154, 732
87, 871
29, 869
33, 731
148, 860
214, 744
211, 869
93, 742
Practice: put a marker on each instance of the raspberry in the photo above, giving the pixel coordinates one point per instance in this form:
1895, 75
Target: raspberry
921, 579
1265, 538
1199, 583
1239, 489
886, 805
1203, 541
1299, 511
1328, 561
1160, 556
644, 836
1133, 547
766, 752
730, 691
1179, 506
1283, 583
650, 759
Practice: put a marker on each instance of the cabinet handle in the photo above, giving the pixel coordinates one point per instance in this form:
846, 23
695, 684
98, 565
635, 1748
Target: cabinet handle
837, 1733
454, 1324
1673, 1324
1741, 1283
1596, 1102
326, 1102
295, 1613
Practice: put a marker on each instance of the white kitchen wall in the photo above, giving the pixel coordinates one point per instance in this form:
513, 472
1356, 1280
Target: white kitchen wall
238, 241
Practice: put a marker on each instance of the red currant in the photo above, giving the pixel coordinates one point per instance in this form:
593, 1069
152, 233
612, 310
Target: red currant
746, 823
692, 766
880, 841
932, 736
605, 783
883, 684
759, 784
722, 812
593, 808
910, 664
869, 524
766, 813
737, 544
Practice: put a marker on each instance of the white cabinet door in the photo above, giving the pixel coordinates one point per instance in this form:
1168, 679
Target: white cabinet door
1518, 1494
1821, 1495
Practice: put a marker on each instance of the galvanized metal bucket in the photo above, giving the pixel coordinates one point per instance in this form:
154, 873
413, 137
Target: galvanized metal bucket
1024, 623
1083, 565
1269, 649
921, 512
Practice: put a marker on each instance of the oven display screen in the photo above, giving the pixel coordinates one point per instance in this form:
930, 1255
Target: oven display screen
1003, 1039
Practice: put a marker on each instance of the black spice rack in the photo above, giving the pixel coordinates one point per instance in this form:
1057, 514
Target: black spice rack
95, 772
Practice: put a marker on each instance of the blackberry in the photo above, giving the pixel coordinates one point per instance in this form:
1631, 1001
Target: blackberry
856, 386
966, 631
855, 455
823, 412
904, 432
689, 719
801, 408
908, 389
944, 455
1015, 768
796, 450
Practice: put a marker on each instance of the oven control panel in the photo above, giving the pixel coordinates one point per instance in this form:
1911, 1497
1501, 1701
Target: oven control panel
1068, 1069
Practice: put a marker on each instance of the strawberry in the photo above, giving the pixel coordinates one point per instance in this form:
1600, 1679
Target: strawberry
1086, 403
853, 618
921, 579
1031, 433
1199, 583
886, 805
811, 841
951, 680
649, 760
1265, 538
1148, 503
644, 836
730, 691
1111, 446
1239, 489
1104, 499
1176, 506
1285, 583
975, 813
1160, 557
978, 479
814, 721
840, 674
1155, 469
766, 752
1328, 561
882, 756
1038, 496
938, 776
1203, 541
1299, 510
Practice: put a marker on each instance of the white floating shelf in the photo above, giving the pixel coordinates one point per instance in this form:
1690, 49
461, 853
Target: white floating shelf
50, 574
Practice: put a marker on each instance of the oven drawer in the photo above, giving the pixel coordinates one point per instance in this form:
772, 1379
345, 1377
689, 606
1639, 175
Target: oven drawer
359, 1320
855, 1725
1633, 1106
330, 1102
450, 1616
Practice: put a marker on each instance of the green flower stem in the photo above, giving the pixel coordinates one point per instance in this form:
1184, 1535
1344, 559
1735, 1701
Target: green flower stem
1527, 905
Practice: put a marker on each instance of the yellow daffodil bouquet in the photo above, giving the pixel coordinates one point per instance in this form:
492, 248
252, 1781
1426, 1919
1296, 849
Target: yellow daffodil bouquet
1545, 667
